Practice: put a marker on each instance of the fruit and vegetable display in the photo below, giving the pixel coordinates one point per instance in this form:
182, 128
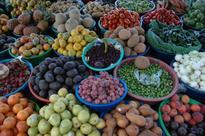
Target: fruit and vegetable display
132, 39
195, 17
202, 37
66, 22
37, 21
103, 54
132, 119
183, 116
3, 21
53, 73
63, 6
14, 112
172, 39
89, 67
6, 42
145, 79
179, 6
65, 116
101, 89
97, 9
13, 75
162, 15
20, 6
140, 6
119, 17
190, 69
72, 44
32, 45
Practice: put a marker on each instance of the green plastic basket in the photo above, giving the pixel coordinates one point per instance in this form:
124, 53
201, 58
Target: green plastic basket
191, 101
35, 60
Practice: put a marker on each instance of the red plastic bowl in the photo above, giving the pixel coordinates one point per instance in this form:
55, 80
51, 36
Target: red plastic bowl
44, 100
162, 65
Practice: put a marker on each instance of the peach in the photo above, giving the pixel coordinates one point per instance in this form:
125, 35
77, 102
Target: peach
166, 117
175, 98
166, 108
187, 116
198, 117
173, 113
182, 109
185, 99
179, 119
195, 108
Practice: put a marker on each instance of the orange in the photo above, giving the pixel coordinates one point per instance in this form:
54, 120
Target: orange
4, 108
10, 114
46, 47
29, 110
21, 134
6, 132
20, 95
22, 127
9, 122
17, 107
22, 115
15, 131
2, 117
13, 99
24, 102
31, 105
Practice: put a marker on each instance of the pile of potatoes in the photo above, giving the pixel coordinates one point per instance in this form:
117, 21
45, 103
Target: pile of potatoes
132, 39
132, 119
66, 22
97, 9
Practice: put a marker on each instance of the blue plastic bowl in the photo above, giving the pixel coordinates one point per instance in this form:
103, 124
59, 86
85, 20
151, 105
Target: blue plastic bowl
102, 30
90, 45
24, 86
193, 92
102, 107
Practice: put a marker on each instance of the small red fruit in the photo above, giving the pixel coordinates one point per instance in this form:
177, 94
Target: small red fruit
187, 116
195, 108
179, 119
185, 99
175, 104
166, 108
182, 109
187, 107
175, 98
166, 117
203, 109
198, 117
173, 112
192, 122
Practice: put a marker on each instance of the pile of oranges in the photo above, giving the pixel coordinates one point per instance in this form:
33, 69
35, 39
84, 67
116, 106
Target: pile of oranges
14, 112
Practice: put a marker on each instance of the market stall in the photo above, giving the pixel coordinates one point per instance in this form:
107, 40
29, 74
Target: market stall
102, 68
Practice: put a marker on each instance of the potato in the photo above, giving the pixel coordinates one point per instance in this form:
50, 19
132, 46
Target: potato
140, 48
157, 130
122, 122
124, 34
146, 111
127, 51
117, 30
137, 119
132, 130
140, 30
122, 108
155, 116
97, 14
133, 41
149, 122
134, 104
141, 39
121, 132
147, 133
108, 116
134, 31
135, 111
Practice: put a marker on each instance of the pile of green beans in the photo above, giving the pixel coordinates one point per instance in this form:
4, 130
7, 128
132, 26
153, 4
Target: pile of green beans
126, 73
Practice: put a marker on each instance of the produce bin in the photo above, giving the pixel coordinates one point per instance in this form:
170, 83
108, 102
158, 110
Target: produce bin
160, 114
102, 107
24, 86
